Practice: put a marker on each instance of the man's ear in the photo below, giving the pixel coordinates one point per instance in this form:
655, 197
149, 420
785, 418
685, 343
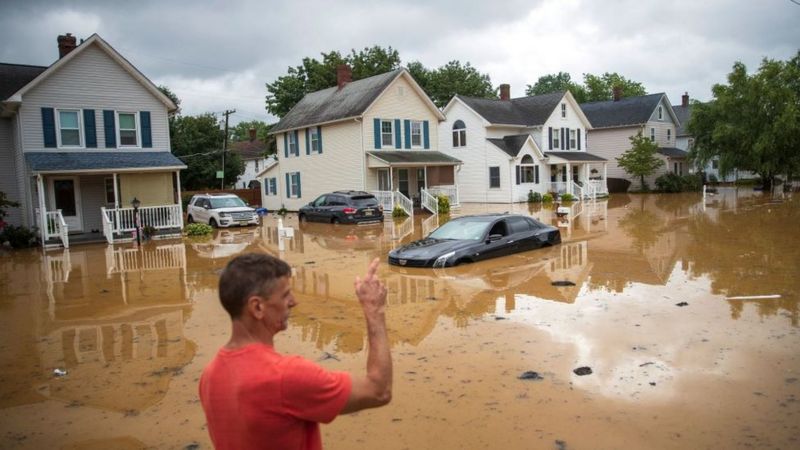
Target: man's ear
254, 307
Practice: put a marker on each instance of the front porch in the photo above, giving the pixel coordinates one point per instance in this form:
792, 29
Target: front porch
579, 174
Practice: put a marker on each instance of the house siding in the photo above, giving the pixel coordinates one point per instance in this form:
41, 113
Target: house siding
393, 104
572, 121
9, 183
92, 80
611, 143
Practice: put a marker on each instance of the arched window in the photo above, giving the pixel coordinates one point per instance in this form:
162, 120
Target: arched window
528, 171
527, 159
459, 134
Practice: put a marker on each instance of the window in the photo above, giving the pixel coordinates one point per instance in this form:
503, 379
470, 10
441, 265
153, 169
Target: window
416, 133
272, 186
109, 191
387, 136
459, 134
526, 174
669, 134
563, 110
660, 112
572, 142
69, 129
494, 177
653, 134
293, 149
557, 138
256, 165
313, 134
715, 164
294, 185
128, 131
518, 224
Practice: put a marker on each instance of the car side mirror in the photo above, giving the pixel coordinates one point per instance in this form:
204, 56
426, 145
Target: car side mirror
494, 237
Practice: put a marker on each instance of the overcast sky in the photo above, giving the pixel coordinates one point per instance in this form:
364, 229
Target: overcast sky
217, 55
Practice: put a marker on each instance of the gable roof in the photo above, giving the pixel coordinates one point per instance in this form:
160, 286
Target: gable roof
351, 101
672, 152
15, 76
625, 112
512, 144
523, 111
94, 39
248, 149
430, 157
684, 114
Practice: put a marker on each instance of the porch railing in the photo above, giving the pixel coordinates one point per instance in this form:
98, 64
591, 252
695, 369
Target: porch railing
390, 199
450, 191
404, 202
599, 186
56, 227
385, 199
429, 202
108, 225
158, 217
430, 224
577, 191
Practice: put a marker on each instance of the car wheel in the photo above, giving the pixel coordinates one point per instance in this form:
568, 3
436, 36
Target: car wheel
213, 222
190, 219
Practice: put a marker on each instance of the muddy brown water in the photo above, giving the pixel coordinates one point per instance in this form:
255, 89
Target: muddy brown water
134, 328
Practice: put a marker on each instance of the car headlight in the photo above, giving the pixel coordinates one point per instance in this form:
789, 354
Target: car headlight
442, 260
224, 214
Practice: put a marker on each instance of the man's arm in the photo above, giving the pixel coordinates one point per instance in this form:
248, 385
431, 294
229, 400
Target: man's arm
374, 389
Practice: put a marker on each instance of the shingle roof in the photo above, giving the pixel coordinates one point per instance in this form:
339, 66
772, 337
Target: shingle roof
526, 111
333, 103
625, 112
575, 156
510, 144
15, 76
78, 161
254, 149
414, 156
672, 152
683, 113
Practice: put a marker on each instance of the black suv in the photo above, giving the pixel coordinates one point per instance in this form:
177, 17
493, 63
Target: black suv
343, 207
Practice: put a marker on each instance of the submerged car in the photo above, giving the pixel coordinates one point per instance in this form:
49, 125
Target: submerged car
475, 238
220, 210
343, 207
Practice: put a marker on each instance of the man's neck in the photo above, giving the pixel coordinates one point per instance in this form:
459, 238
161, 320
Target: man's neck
244, 333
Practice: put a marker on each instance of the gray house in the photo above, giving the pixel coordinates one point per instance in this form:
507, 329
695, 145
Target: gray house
83, 138
615, 121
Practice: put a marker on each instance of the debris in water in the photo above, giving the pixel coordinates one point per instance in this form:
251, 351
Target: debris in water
326, 356
192, 446
530, 375
562, 283
581, 371
754, 297
310, 262
499, 318
59, 372
681, 304
646, 364
561, 445
652, 383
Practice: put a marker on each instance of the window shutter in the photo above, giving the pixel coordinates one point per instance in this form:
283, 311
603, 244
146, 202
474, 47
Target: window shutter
49, 127
109, 128
397, 143
285, 145
308, 142
518, 170
319, 138
578, 131
377, 127
550, 136
288, 186
569, 140
536, 174
89, 128
296, 143
426, 138
407, 129
562, 139
299, 192
147, 134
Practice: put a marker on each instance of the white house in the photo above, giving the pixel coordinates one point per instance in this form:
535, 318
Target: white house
81, 139
253, 153
615, 121
377, 134
510, 147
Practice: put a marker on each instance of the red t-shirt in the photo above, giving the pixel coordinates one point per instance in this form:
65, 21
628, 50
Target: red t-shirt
254, 397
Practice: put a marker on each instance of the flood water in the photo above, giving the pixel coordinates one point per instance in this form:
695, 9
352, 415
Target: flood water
133, 328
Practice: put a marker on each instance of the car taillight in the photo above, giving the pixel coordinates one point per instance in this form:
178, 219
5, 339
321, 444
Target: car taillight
349, 210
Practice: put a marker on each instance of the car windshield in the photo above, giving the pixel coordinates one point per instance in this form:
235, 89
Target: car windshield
461, 229
365, 201
226, 202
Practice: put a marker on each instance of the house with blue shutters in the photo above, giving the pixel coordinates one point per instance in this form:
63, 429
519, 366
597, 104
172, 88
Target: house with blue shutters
511, 147
83, 138
377, 134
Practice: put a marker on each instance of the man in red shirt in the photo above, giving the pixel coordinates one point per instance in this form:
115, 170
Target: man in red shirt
253, 396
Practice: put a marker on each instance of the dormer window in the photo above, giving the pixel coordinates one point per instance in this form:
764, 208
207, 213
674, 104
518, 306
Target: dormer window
459, 134
563, 110
69, 128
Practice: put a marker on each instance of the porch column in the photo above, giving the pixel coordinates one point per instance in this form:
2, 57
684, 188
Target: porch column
116, 205
391, 182
569, 178
42, 210
425, 178
180, 199
605, 175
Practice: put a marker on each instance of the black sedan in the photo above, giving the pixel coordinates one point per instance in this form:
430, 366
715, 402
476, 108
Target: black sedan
474, 238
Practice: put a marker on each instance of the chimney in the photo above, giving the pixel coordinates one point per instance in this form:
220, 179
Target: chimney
252, 134
685, 99
344, 75
617, 93
66, 44
505, 92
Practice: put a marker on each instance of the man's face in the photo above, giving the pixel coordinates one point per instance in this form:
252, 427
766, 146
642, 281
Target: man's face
278, 305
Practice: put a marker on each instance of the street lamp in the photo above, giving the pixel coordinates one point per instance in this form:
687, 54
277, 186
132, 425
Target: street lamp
136, 203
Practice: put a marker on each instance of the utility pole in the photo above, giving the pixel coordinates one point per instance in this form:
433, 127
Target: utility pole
225, 146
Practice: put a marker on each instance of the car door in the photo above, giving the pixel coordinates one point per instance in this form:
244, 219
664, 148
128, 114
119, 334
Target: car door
498, 241
317, 212
522, 234
202, 212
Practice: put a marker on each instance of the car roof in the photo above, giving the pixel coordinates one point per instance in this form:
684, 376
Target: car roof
216, 194
352, 193
490, 217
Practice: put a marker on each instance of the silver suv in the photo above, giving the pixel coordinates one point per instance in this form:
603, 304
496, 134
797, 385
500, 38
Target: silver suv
220, 210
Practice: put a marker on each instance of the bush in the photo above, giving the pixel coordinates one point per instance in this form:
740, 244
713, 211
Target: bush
547, 198
18, 237
567, 197
185, 199
669, 182
282, 212
444, 204
399, 212
534, 197
693, 182
198, 229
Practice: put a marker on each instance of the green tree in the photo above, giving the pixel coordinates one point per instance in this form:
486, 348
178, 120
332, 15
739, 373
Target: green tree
753, 122
373, 61
601, 88
166, 91
640, 160
197, 141
241, 132
454, 78
562, 81
421, 74
5, 203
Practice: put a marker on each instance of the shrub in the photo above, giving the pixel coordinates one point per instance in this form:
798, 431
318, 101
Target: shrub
534, 197
18, 237
567, 197
198, 229
444, 204
399, 212
692, 182
669, 182
547, 198
148, 231
282, 212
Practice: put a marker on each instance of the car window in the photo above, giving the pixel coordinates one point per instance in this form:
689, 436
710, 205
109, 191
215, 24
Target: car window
461, 229
336, 200
226, 202
499, 228
320, 201
519, 224
365, 200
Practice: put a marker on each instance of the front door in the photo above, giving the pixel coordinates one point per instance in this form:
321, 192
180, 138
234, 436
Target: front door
65, 194
575, 172
402, 184
383, 180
